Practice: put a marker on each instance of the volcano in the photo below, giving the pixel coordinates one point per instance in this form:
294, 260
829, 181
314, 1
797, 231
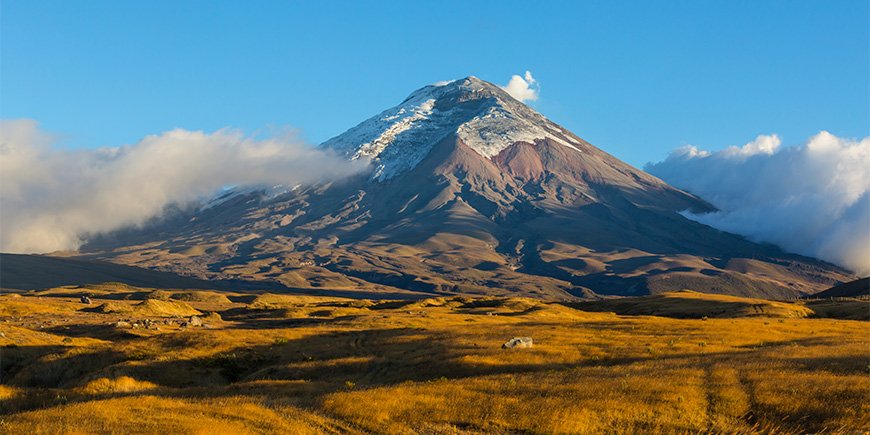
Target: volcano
470, 192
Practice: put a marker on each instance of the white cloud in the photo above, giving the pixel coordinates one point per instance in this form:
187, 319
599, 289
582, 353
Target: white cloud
50, 198
523, 88
812, 199
688, 151
763, 144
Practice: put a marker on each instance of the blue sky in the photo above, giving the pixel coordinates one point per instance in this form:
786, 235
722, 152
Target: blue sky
635, 78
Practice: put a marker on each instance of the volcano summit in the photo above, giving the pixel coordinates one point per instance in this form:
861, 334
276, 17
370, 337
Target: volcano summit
471, 192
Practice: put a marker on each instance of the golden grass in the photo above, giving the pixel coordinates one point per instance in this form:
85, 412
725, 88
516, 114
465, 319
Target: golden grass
149, 414
436, 366
269, 300
149, 307
109, 288
189, 296
123, 384
15, 306
690, 304
200, 296
850, 309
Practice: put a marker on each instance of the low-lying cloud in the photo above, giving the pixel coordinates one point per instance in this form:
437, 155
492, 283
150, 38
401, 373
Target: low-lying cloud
51, 198
812, 199
523, 88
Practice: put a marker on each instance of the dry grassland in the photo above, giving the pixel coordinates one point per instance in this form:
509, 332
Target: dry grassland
297, 364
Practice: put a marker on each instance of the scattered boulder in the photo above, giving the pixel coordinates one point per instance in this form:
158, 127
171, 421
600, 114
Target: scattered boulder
194, 321
85, 300
123, 325
518, 343
136, 324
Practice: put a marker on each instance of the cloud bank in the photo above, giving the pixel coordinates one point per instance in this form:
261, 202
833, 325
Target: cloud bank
51, 199
523, 88
812, 199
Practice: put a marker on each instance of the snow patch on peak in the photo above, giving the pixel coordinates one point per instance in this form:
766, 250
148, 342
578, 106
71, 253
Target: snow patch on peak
498, 128
397, 138
482, 115
403, 120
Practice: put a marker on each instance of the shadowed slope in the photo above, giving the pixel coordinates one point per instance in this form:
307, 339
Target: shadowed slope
28, 272
852, 289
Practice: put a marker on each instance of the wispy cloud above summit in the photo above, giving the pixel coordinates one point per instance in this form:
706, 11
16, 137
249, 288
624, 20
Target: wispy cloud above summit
523, 88
52, 198
812, 199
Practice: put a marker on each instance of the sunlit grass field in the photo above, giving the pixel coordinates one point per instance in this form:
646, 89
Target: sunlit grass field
297, 364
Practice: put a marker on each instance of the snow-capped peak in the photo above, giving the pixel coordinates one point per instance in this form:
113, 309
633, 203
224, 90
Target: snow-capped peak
481, 114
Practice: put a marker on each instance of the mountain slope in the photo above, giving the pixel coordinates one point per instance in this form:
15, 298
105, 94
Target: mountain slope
853, 289
471, 192
35, 272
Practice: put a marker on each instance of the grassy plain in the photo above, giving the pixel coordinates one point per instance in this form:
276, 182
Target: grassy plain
297, 364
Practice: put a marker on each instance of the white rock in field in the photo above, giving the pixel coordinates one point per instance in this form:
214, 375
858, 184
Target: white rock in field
518, 343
